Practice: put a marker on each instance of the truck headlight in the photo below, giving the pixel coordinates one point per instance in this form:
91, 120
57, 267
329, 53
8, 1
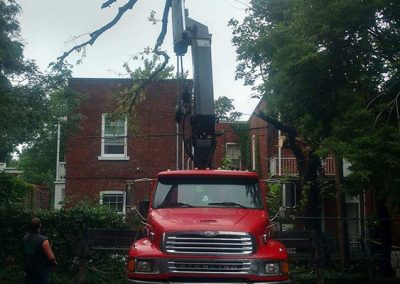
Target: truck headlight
144, 266
272, 268
276, 268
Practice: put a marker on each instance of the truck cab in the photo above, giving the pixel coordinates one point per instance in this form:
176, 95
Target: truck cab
207, 226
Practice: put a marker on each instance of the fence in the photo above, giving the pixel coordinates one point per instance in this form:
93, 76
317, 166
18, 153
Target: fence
317, 252
364, 250
104, 252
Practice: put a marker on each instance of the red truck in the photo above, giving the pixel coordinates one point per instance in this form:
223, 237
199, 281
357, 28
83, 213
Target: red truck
207, 226
204, 226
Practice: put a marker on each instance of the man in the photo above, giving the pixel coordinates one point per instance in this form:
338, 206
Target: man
39, 257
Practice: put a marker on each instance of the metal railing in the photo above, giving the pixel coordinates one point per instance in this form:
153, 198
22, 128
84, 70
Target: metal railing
289, 166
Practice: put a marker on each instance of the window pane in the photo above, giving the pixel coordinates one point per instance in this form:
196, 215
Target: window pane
114, 127
233, 151
233, 154
114, 201
114, 145
114, 136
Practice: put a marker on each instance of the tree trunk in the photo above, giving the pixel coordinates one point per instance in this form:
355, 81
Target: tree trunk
311, 209
385, 232
341, 215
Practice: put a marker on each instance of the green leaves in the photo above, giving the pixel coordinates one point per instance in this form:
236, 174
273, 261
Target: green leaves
12, 190
330, 69
225, 110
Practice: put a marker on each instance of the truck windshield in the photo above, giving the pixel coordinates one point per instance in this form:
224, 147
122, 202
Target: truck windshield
207, 192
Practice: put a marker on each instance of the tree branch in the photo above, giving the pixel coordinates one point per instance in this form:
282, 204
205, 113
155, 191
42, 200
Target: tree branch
291, 142
157, 51
163, 32
94, 35
277, 124
108, 4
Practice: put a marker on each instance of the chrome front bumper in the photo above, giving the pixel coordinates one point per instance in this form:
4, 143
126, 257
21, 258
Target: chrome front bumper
135, 281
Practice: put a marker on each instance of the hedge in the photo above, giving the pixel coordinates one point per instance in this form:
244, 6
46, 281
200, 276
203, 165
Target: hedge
65, 229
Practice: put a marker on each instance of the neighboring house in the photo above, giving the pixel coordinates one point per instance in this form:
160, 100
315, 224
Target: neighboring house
106, 156
274, 162
9, 170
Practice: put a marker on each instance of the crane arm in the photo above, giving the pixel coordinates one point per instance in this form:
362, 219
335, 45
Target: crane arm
188, 32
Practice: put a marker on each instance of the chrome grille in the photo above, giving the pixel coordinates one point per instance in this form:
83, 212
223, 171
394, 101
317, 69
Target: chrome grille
210, 266
209, 243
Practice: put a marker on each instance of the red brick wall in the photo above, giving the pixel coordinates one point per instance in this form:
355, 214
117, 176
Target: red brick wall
265, 141
151, 149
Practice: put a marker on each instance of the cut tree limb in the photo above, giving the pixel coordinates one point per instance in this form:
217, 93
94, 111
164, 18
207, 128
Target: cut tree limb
108, 4
95, 35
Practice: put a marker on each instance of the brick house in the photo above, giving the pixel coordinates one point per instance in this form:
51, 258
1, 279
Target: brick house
275, 162
103, 157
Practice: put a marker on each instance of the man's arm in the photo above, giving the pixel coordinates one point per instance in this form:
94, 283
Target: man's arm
49, 253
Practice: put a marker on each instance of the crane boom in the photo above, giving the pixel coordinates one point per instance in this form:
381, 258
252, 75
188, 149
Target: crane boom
188, 32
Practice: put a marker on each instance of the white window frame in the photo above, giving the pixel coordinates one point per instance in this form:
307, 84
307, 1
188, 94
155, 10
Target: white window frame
104, 156
102, 193
226, 151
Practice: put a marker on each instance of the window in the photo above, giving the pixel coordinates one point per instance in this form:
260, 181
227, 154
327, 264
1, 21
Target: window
113, 199
113, 138
233, 155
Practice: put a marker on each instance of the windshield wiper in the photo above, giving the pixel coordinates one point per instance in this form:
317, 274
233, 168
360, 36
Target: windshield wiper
173, 205
182, 204
229, 203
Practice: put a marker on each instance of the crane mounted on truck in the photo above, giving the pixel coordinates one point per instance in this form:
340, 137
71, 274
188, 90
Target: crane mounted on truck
202, 225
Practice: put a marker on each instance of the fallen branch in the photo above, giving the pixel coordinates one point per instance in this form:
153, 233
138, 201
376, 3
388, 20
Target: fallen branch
291, 142
277, 124
108, 4
135, 93
95, 35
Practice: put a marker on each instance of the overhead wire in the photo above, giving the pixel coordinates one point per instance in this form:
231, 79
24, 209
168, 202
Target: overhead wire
159, 135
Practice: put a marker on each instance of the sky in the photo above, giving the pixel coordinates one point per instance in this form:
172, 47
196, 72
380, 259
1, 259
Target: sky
50, 27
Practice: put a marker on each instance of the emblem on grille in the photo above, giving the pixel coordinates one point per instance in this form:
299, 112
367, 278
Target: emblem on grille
210, 233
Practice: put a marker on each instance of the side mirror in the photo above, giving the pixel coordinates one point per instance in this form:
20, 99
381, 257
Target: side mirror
144, 208
289, 195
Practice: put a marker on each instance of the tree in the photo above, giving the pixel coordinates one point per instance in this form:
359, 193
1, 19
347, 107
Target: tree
225, 110
129, 98
13, 190
22, 96
329, 69
37, 159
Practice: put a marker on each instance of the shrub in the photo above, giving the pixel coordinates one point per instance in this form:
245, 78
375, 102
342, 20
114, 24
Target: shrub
65, 229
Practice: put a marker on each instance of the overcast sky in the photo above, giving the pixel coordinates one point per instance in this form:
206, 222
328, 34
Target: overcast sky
49, 27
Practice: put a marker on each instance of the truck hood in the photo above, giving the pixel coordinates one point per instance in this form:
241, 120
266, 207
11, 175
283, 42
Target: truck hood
198, 219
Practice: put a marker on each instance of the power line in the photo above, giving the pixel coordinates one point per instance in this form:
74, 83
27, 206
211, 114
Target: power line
160, 135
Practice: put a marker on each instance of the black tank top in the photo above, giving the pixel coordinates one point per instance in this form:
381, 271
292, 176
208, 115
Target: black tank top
35, 258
